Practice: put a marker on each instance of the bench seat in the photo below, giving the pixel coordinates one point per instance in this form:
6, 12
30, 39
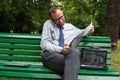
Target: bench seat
22, 49
41, 72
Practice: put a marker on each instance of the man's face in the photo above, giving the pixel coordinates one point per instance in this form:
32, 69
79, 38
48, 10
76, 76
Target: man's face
58, 18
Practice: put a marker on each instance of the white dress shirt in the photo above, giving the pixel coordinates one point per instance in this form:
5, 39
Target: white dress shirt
50, 35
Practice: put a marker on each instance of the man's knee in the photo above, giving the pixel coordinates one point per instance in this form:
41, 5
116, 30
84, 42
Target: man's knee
72, 51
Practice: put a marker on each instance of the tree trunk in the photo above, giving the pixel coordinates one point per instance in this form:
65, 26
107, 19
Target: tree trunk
112, 22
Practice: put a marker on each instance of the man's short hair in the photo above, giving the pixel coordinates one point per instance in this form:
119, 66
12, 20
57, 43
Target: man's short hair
53, 10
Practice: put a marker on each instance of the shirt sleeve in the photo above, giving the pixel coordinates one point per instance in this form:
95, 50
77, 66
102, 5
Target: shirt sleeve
83, 32
87, 30
46, 40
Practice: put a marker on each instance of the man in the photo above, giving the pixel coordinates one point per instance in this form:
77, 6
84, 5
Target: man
56, 39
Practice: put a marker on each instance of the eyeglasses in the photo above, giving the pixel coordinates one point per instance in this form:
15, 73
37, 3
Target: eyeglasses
57, 20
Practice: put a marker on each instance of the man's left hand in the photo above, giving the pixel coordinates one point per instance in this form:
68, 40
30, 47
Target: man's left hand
91, 30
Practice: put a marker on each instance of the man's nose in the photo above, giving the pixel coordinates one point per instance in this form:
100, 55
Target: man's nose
61, 20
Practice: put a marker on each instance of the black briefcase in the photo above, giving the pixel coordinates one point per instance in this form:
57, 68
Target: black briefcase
93, 58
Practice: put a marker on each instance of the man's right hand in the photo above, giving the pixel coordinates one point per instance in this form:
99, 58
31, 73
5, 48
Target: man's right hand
65, 48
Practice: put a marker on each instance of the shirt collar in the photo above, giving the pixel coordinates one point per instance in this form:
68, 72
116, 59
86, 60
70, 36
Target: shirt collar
53, 22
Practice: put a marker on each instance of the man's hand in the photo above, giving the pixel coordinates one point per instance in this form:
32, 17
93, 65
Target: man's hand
91, 30
65, 48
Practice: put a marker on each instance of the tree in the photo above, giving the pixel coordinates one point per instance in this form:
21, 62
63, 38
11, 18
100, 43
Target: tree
23, 16
112, 22
81, 12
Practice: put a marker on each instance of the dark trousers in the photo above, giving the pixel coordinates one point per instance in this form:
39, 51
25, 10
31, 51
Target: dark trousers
67, 64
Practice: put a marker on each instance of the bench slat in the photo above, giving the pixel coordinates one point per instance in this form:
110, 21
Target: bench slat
20, 58
29, 75
29, 52
41, 69
20, 52
20, 35
96, 39
20, 46
32, 59
54, 76
19, 41
95, 44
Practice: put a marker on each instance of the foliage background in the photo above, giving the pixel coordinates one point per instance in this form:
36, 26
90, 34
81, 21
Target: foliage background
82, 12
23, 16
28, 16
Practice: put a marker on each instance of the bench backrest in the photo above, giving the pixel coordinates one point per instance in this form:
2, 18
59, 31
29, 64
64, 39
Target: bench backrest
26, 47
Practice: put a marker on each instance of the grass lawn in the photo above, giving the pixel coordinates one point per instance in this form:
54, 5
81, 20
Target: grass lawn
116, 58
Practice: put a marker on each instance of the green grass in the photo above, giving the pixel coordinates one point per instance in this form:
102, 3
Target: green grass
116, 58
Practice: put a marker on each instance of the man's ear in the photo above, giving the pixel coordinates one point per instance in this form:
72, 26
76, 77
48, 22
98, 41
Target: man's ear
52, 18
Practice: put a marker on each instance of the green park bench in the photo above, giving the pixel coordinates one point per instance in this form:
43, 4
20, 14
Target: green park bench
24, 50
